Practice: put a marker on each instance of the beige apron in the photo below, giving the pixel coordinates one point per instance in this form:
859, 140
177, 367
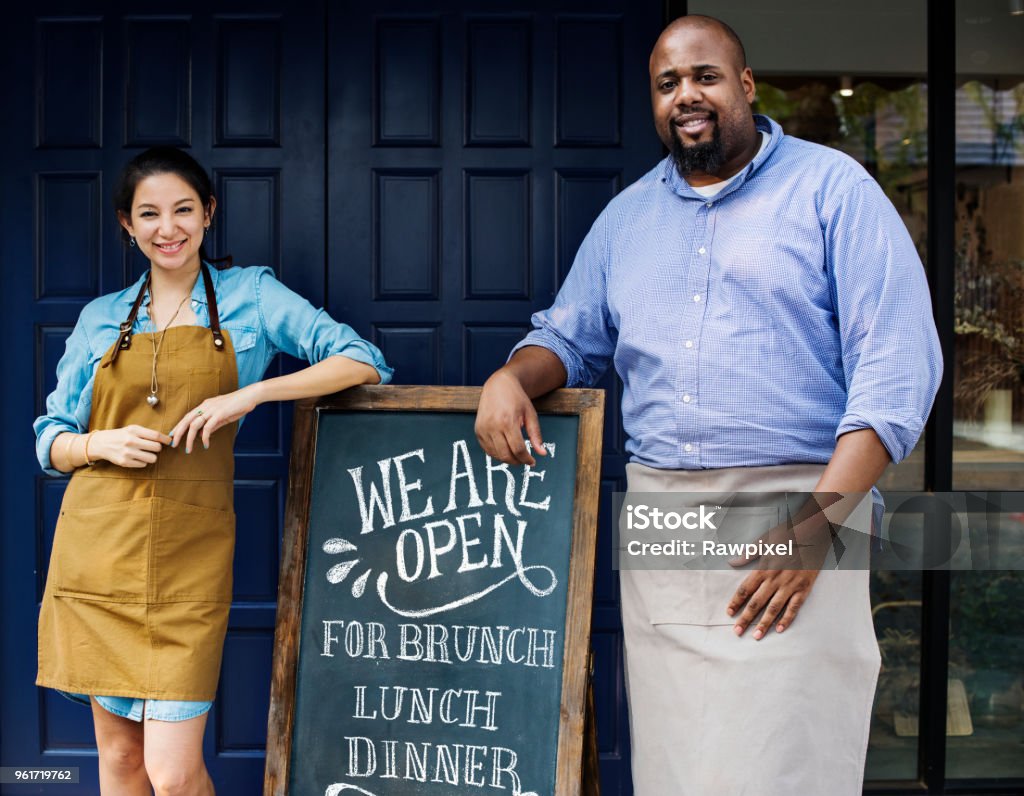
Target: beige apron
139, 585
711, 713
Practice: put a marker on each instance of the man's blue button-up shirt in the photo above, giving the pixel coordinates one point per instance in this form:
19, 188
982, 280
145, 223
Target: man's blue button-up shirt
261, 315
754, 327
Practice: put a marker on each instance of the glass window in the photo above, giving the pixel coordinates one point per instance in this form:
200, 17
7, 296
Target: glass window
986, 654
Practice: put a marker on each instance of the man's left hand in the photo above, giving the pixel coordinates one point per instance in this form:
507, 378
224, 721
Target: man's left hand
781, 583
779, 593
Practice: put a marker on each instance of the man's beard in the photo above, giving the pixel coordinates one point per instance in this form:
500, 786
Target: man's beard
707, 157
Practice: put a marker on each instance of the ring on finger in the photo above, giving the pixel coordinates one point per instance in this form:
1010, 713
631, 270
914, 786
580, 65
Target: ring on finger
199, 411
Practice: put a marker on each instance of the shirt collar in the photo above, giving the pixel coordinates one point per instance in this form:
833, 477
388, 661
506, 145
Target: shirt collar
198, 290
670, 176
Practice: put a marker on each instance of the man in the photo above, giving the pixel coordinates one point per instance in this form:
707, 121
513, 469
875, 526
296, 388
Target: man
769, 317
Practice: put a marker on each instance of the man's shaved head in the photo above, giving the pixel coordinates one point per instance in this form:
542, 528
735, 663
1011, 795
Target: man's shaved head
699, 21
701, 93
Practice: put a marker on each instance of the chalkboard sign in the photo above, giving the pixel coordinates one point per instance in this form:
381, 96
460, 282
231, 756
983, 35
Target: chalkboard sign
434, 605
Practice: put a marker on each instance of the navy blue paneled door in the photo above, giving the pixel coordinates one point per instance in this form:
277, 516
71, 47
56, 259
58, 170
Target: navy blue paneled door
426, 170
465, 165
241, 85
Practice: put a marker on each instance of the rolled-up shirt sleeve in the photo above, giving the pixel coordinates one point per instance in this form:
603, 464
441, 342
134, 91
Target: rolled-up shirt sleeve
297, 328
577, 327
73, 376
890, 348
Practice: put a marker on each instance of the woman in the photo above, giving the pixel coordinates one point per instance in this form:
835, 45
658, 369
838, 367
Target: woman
151, 389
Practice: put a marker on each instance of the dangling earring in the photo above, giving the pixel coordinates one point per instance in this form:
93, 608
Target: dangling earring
205, 230
131, 241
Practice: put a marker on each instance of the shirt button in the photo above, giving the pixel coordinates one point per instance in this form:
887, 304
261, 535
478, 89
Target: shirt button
701, 250
709, 204
697, 297
686, 399
194, 303
689, 343
687, 447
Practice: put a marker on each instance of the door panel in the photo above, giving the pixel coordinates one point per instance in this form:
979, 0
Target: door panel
469, 153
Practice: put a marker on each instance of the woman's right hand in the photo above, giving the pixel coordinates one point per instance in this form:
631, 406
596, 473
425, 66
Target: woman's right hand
131, 446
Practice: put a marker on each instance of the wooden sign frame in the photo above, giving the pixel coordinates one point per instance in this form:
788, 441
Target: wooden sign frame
588, 405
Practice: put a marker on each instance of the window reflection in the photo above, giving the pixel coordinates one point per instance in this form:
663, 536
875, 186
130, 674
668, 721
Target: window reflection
989, 397
986, 645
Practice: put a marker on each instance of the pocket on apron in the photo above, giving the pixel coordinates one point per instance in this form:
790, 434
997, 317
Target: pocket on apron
102, 552
696, 591
203, 383
193, 551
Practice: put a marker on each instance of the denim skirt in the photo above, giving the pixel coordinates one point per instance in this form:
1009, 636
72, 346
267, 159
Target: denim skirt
133, 708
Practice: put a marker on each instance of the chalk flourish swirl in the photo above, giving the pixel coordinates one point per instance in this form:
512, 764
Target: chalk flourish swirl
341, 787
520, 573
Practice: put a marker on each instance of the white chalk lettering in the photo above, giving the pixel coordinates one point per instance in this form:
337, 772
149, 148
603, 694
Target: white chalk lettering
390, 752
416, 765
500, 534
450, 764
492, 645
383, 506
400, 562
444, 709
472, 766
375, 640
471, 632
510, 485
437, 640
415, 705
329, 637
354, 769
467, 565
472, 708
547, 648
354, 635
361, 704
410, 636
510, 769
436, 551
511, 645
461, 451
447, 764
421, 711
399, 691
354, 640
491, 650
404, 488
528, 473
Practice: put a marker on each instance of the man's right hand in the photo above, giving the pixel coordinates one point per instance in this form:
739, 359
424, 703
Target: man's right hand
505, 409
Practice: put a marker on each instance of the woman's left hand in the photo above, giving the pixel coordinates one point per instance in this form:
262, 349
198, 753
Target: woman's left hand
211, 414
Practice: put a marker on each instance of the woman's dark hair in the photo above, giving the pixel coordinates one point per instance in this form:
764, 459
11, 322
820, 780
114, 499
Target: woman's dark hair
163, 160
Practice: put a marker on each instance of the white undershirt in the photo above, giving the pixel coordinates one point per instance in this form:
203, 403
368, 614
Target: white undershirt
716, 188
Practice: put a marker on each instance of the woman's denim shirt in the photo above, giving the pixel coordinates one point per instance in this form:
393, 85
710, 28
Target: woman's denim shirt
261, 315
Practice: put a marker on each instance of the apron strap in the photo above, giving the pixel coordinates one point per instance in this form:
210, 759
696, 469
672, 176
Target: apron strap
124, 340
211, 306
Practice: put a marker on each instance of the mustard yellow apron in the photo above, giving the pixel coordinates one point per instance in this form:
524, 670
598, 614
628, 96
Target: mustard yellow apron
139, 585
